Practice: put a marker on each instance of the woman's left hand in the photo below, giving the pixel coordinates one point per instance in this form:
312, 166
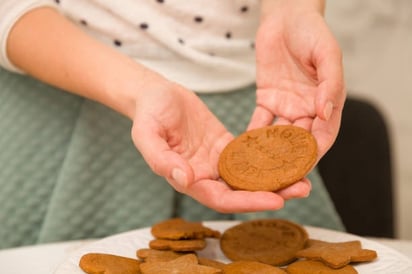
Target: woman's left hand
299, 73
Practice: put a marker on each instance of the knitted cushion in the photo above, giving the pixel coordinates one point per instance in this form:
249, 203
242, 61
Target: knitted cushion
36, 123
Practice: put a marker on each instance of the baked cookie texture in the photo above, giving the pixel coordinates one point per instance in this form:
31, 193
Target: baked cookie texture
268, 158
178, 245
270, 241
180, 229
310, 267
251, 267
337, 254
187, 264
150, 254
98, 263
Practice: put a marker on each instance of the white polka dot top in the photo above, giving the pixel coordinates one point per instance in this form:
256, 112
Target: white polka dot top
205, 45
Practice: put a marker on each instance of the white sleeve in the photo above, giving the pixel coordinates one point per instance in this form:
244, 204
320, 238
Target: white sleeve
10, 12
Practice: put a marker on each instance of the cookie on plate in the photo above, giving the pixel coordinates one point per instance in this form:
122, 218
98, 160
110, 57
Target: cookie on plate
269, 241
178, 245
337, 254
268, 158
210, 262
179, 229
251, 267
187, 264
310, 267
98, 263
148, 255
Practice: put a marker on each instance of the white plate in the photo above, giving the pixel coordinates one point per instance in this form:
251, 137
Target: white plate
126, 244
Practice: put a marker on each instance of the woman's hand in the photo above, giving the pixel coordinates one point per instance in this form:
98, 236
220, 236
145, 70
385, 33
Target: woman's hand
299, 72
181, 140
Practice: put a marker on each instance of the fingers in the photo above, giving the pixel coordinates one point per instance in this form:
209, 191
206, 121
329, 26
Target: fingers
282, 104
300, 189
214, 194
326, 132
331, 96
161, 158
330, 99
218, 196
261, 117
332, 93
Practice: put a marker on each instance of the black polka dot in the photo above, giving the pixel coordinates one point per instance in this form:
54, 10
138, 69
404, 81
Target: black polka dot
117, 43
252, 45
198, 19
181, 41
244, 9
144, 26
83, 22
57, 1
228, 35
160, 1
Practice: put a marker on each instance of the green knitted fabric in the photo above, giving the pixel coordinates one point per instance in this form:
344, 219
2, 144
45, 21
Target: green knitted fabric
69, 170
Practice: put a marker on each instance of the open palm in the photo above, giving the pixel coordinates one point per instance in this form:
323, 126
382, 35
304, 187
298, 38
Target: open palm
299, 76
299, 80
181, 140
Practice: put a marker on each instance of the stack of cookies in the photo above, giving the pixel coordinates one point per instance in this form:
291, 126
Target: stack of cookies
180, 235
257, 246
173, 247
172, 250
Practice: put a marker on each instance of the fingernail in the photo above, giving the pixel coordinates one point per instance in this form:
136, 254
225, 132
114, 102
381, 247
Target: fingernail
309, 187
179, 176
327, 112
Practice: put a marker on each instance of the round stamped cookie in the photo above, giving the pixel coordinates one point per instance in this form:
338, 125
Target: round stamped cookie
269, 241
268, 158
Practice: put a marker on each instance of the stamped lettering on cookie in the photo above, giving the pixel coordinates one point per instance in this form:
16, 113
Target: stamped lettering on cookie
268, 158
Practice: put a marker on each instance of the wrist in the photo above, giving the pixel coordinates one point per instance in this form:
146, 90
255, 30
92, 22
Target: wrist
120, 86
127, 86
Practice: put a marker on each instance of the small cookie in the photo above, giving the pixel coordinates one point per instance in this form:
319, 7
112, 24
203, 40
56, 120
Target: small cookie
336, 254
153, 255
178, 229
98, 263
210, 262
268, 158
310, 267
269, 241
178, 245
251, 267
187, 264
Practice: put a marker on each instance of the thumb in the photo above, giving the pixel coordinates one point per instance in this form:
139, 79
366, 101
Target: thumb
331, 82
162, 159
329, 100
